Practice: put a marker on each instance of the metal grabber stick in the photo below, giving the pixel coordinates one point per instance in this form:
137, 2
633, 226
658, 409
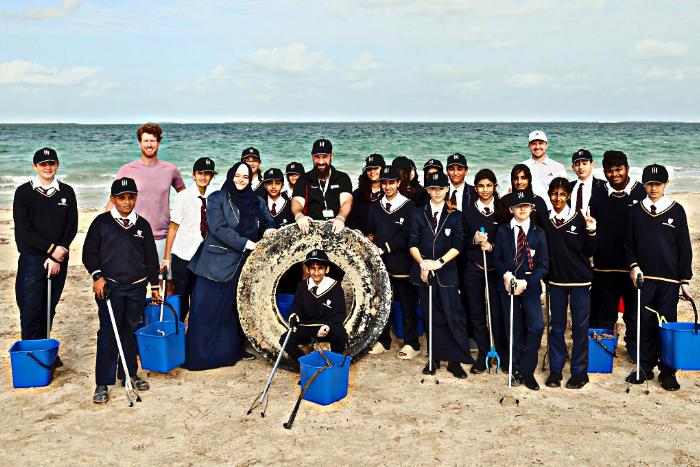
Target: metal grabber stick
492, 352
48, 310
165, 292
127, 384
510, 365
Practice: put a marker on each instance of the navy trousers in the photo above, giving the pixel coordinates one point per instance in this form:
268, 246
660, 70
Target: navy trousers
580, 312
528, 327
31, 293
127, 304
475, 285
606, 291
183, 283
662, 297
337, 336
406, 293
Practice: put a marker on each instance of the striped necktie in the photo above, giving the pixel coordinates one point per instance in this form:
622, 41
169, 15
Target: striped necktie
653, 209
314, 289
203, 225
125, 222
524, 248
558, 221
435, 220
273, 210
453, 198
579, 197
375, 196
388, 207
487, 210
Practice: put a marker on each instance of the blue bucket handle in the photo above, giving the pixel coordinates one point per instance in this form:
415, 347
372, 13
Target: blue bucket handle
151, 301
695, 310
51, 368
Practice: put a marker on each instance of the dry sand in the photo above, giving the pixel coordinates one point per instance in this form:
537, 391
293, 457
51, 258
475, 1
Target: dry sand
388, 418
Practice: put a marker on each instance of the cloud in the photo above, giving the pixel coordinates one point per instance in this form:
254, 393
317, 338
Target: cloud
651, 49
502, 45
261, 97
357, 71
679, 74
270, 87
292, 60
529, 80
448, 71
364, 85
336, 8
22, 72
53, 11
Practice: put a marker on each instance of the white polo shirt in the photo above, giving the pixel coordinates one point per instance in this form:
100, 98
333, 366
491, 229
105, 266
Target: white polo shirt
187, 213
542, 175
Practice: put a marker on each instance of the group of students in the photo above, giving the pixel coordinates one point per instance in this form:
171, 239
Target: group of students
587, 240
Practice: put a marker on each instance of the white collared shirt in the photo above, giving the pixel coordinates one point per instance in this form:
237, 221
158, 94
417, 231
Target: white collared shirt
661, 205
256, 183
460, 194
564, 215
627, 190
187, 213
585, 193
433, 210
542, 175
326, 283
514, 224
117, 216
398, 200
482, 207
51, 189
290, 192
279, 204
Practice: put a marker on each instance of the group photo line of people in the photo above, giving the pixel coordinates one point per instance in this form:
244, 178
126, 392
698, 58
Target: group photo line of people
486, 251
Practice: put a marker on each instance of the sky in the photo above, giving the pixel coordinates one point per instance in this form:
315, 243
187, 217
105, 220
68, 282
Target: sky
94, 61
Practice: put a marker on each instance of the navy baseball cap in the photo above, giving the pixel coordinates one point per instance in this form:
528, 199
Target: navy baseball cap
322, 146
582, 155
250, 152
316, 255
433, 163
124, 185
45, 155
654, 173
403, 163
294, 168
204, 164
390, 173
519, 197
456, 159
374, 161
273, 174
436, 180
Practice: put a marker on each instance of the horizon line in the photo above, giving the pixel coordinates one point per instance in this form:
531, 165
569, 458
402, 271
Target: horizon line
607, 122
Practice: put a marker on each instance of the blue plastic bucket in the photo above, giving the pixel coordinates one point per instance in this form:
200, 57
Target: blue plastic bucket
161, 346
152, 312
284, 298
397, 317
599, 360
680, 346
26, 372
284, 309
331, 384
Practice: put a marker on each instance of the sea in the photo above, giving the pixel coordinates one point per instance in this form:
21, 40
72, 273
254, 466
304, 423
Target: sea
91, 155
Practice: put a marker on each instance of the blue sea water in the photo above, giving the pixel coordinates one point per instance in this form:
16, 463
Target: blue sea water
90, 155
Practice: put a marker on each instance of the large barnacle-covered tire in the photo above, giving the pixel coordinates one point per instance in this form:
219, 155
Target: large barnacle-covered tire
365, 276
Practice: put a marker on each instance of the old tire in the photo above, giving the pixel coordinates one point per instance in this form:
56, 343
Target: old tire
364, 270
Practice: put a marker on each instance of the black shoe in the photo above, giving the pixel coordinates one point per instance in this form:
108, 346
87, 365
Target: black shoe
478, 368
577, 381
554, 380
516, 379
456, 369
101, 395
531, 382
632, 353
643, 376
436, 366
504, 366
669, 381
140, 384
248, 356
58, 363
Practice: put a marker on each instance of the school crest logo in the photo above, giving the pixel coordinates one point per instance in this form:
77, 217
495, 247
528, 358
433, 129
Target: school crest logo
138, 234
327, 304
63, 202
670, 222
573, 228
400, 221
284, 221
335, 186
448, 232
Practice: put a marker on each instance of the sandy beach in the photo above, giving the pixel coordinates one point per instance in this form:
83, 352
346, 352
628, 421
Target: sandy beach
388, 418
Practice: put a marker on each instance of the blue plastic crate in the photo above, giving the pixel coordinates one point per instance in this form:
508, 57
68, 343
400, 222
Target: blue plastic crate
397, 316
600, 361
161, 348
680, 346
330, 385
284, 298
27, 373
152, 312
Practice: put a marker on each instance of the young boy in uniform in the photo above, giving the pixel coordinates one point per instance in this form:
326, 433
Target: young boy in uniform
521, 253
319, 308
120, 254
582, 189
188, 229
46, 222
658, 247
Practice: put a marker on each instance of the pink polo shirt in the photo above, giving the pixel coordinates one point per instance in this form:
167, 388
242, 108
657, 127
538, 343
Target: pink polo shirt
153, 183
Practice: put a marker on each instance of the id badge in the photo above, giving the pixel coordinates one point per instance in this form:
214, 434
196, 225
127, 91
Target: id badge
328, 213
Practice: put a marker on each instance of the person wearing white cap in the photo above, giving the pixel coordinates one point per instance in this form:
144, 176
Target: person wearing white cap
543, 169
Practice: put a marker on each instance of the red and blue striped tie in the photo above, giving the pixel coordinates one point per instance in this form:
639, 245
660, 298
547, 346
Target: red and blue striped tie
524, 248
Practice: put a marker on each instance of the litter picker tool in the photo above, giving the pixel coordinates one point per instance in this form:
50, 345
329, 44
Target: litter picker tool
48, 309
492, 352
510, 363
546, 309
431, 369
130, 390
263, 396
165, 291
638, 368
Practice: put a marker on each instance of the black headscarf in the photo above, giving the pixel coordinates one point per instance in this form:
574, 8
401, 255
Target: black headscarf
247, 202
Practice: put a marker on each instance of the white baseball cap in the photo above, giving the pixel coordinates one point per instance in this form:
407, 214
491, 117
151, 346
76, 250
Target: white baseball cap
537, 135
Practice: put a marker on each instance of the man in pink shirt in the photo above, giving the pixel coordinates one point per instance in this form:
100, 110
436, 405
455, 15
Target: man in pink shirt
153, 178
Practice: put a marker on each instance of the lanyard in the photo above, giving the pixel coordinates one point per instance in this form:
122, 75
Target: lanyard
325, 187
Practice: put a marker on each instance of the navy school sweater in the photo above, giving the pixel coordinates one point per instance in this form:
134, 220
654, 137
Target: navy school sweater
473, 221
326, 308
570, 247
660, 244
126, 255
612, 214
44, 222
359, 215
390, 231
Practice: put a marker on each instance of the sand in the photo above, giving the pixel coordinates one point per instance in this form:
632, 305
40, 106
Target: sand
388, 418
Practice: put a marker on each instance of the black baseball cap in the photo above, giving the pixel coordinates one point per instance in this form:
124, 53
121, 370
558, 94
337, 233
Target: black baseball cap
294, 168
204, 164
374, 161
436, 180
456, 159
582, 155
45, 155
433, 163
273, 174
123, 185
403, 163
250, 152
654, 173
519, 197
316, 255
390, 173
322, 146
